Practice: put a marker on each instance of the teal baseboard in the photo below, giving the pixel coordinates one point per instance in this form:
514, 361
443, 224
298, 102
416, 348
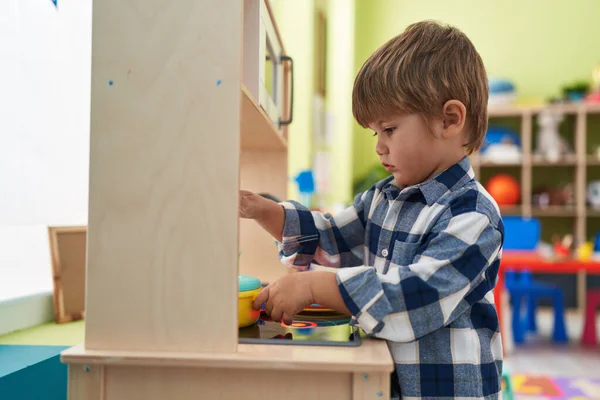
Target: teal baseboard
32, 373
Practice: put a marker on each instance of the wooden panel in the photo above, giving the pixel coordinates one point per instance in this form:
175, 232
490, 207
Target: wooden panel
86, 382
580, 199
251, 48
373, 386
371, 355
164, 175
68, 252
261, 172
257, 130
151, 383
526, 139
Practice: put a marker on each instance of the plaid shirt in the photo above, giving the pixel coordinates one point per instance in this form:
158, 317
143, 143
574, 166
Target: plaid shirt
418, 268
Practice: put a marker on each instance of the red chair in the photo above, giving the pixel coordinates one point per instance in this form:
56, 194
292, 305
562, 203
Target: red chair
592, 303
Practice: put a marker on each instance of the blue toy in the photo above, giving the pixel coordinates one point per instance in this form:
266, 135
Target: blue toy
502, 91
306, 185
498, 85
500, 135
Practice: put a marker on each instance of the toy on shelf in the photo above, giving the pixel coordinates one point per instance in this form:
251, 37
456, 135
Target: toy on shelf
593, 194
502, 92
576, 91
545, 196
504, 189
562, 246
501, 145
550, 144
585, 251
594, 95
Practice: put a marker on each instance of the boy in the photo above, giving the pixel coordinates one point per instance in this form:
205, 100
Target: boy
419, 251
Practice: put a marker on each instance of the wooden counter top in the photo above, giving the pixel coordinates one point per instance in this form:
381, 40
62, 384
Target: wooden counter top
372, 355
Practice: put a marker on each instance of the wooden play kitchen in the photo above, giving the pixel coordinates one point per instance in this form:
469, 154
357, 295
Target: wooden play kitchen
190, 101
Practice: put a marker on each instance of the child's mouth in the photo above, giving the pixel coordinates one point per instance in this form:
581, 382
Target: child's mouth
388, 167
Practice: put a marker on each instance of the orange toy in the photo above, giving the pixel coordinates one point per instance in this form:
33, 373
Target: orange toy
504, 189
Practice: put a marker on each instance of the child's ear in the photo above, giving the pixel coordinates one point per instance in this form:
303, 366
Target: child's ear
454, 114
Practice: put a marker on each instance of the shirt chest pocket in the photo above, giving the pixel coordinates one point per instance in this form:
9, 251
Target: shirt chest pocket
404, 252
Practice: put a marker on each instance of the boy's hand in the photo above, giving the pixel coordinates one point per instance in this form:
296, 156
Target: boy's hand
269, 214
286, 297
251, 205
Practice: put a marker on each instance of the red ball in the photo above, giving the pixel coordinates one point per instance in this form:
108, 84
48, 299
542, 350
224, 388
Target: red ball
504, 189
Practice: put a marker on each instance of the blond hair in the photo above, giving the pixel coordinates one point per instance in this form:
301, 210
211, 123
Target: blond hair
420, 70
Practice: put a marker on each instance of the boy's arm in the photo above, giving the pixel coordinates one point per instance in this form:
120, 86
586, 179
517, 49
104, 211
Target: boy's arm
456, 268
306, 236
267, 213
332, 241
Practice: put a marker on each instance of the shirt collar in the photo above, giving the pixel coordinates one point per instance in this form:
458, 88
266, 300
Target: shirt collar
433, 189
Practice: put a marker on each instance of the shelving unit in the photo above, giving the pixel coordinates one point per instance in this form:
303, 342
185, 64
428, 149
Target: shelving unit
581, 128
182, 118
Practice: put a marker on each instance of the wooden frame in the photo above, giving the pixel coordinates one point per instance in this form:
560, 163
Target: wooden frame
254, 372
320, 53
68, 255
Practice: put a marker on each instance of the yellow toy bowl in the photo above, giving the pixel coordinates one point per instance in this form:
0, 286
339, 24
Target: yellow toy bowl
249, 287
246, 314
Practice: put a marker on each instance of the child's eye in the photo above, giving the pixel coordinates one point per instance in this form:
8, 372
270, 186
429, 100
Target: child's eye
389, 131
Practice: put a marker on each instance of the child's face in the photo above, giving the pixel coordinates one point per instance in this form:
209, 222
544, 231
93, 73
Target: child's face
409, 149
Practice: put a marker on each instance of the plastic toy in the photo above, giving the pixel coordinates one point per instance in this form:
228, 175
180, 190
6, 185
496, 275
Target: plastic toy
593, 194
306, 185
248, 288
504, 189
562, 247
549, 142
545, 196
502, 92
585, 251
507, 390
501, 145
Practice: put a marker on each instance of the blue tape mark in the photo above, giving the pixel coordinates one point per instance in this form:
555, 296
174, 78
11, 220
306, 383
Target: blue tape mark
55, 2
219, 82
110, 83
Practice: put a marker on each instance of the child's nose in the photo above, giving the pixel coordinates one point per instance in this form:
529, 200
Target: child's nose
380, 148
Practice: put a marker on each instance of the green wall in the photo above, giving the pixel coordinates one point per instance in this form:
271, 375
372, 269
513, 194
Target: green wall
539, 45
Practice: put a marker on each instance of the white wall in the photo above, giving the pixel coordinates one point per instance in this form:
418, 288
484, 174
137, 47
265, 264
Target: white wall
44, 133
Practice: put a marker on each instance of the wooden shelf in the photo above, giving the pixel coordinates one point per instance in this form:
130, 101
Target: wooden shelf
593, 212
540, 161
553, 211
483, 163
520, 110
257, 129
510, 210
371, 355
592, 160
536, 170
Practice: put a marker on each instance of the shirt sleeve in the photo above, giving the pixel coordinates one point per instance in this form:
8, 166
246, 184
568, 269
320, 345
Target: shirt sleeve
313, 237
455, 268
